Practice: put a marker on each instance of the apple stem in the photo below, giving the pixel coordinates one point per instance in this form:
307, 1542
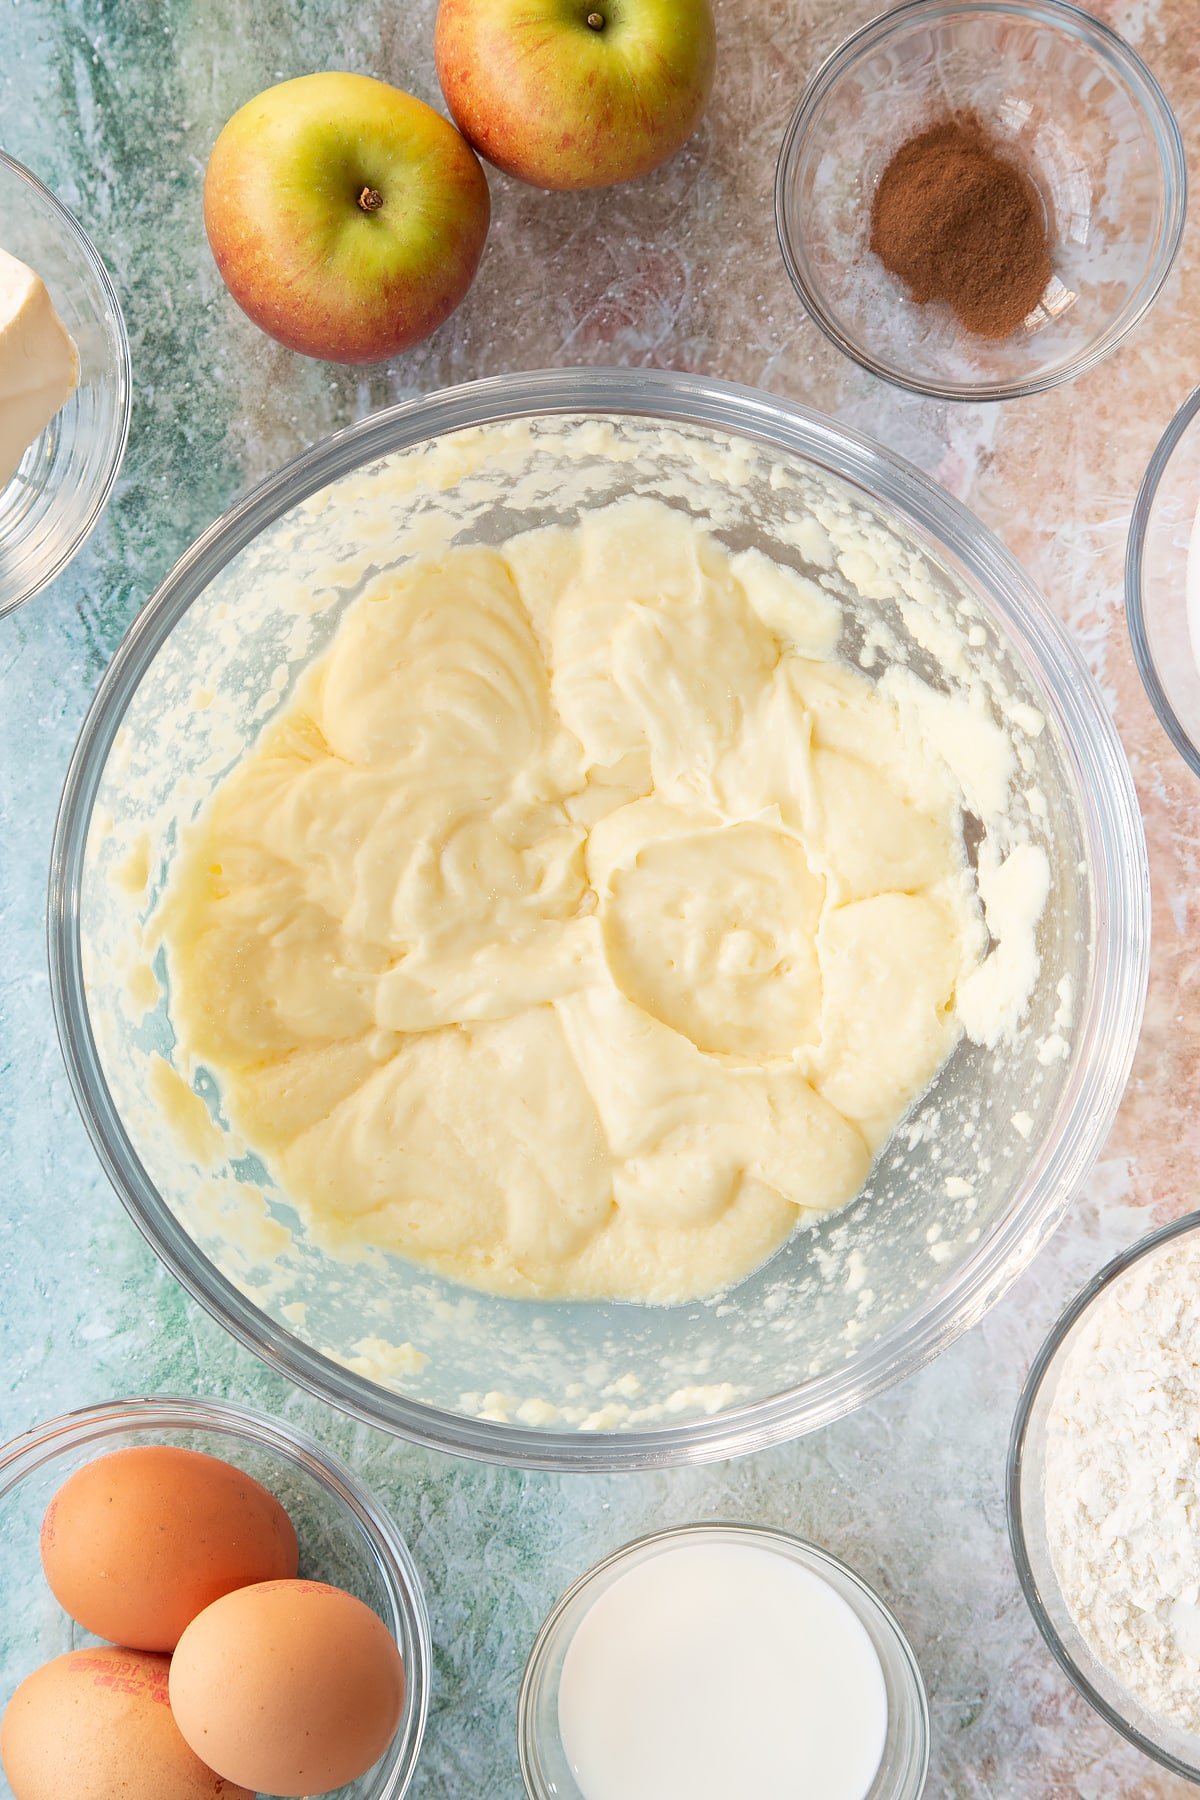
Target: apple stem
596, 21
370, 200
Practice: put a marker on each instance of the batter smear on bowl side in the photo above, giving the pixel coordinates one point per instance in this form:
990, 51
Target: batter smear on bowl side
581, 923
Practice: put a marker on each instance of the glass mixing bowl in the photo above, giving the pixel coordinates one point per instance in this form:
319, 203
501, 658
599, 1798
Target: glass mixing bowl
345, 1538
1162, 581
1075, 105
972, 1182
50, 506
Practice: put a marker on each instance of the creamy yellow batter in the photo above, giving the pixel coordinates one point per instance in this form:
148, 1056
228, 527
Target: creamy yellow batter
581, 924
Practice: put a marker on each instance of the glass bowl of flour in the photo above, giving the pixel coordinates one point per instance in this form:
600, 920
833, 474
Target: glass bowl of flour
1103, 1475
267, 1181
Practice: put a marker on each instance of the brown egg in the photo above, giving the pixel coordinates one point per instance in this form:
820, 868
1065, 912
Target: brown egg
97, 1725
137, 1543
292, 1687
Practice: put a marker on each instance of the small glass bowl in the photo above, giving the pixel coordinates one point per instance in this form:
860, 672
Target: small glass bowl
1074, 105
346, 1538
544, 1764
65, 477
1175, 1748
1162, 573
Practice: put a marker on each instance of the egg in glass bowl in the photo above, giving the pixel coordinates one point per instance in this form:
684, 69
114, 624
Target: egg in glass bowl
344, 1538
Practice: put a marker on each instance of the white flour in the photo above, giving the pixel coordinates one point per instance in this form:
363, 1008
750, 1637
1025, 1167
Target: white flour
1122, 1469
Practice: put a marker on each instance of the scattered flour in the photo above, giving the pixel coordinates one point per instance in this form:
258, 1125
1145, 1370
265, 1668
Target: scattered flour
993, 999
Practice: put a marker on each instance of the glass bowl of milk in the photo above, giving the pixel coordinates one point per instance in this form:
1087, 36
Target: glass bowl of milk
722, 1659
1162, 581
52, 498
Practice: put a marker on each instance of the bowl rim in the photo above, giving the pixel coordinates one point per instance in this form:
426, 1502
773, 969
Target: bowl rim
1115, 835
1164, 128
865, 1600
1135, 571
34, 1449
124, 403
1017, 1466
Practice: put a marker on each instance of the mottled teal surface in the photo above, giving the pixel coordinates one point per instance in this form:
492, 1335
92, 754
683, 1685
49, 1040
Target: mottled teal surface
115, 103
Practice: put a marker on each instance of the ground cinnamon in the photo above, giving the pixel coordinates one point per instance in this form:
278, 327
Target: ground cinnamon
956, 221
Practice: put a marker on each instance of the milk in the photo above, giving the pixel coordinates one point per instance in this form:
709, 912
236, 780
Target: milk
712, 1670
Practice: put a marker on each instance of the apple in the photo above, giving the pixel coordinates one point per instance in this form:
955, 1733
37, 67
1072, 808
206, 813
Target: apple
576, 93
347, 218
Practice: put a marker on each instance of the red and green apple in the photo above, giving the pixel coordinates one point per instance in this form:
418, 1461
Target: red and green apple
576, 93
347, 218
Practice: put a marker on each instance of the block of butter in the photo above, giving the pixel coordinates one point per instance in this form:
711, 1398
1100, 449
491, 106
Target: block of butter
39, 364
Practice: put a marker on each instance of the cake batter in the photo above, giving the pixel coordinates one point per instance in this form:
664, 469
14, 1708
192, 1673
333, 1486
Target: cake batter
581, 923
